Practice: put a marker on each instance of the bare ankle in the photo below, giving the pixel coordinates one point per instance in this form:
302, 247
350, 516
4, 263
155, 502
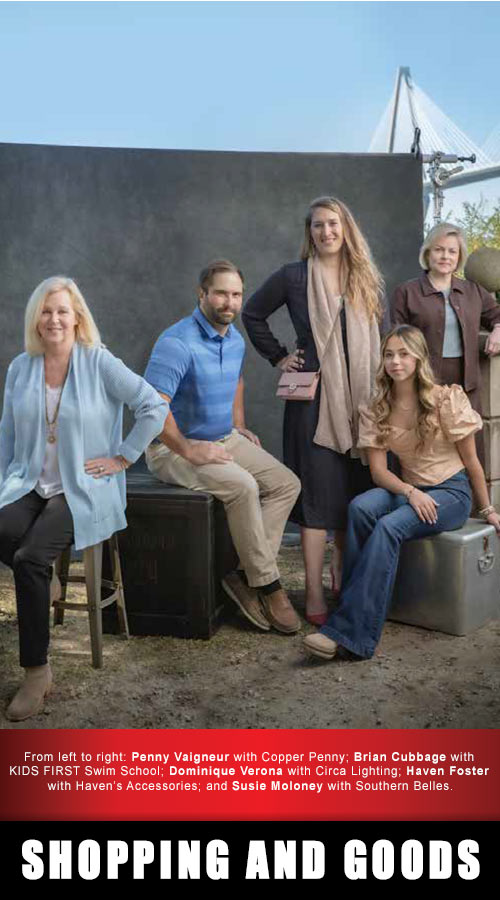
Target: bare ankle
315, 601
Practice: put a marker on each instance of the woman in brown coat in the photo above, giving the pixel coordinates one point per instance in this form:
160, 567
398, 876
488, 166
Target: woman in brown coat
450, 312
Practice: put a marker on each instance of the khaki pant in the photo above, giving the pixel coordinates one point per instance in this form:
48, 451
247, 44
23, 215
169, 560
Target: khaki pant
257, 491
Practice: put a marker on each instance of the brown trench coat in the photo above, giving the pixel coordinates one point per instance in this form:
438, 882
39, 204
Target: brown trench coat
418, 303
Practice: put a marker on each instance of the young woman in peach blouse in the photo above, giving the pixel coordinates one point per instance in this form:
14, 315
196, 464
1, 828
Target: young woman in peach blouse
431, 429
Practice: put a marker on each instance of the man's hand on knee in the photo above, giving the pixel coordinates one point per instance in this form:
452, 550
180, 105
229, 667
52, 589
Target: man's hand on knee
249, 435
201, 453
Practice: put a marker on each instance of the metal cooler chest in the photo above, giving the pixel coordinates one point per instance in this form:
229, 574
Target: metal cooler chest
449, 582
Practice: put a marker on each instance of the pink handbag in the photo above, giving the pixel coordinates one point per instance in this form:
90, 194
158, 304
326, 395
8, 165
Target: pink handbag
298, 385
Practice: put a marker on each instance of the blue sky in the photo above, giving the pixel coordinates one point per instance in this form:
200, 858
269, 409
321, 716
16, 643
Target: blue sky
235, 75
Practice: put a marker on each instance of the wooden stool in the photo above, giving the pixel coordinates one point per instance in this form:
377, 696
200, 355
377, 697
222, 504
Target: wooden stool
92, 562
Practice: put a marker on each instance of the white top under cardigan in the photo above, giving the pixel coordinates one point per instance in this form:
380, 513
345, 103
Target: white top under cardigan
89, 425
49, 484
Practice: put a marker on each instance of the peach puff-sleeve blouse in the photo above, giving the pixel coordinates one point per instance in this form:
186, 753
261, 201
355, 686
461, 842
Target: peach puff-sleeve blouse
439, 459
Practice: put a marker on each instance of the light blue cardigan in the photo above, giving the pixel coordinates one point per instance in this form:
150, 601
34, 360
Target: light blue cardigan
89, 425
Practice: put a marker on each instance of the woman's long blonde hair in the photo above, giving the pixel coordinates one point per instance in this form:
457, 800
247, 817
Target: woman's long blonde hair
363, 284
86, 331
381, 403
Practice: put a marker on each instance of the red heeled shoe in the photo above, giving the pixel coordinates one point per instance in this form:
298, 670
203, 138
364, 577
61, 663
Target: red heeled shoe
317, 619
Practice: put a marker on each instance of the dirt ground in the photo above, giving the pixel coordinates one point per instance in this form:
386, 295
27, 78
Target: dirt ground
243, 678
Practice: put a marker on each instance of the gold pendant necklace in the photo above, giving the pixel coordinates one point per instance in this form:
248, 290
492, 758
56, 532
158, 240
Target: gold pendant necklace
51, 425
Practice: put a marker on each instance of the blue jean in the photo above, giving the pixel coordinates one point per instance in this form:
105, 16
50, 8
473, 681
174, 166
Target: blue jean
378, 523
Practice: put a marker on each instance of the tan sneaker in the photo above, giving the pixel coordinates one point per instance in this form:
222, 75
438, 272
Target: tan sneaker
29, 698
247, 598
280, 612
320, 645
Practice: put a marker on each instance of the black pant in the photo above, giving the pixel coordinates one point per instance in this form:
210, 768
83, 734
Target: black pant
33, 532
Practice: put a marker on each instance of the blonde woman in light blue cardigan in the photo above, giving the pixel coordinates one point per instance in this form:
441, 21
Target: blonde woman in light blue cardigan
62, 459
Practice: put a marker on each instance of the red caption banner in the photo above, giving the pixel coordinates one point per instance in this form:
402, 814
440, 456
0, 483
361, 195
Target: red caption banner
246, 775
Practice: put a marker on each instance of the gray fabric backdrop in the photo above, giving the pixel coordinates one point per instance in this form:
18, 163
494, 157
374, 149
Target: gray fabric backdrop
134, 227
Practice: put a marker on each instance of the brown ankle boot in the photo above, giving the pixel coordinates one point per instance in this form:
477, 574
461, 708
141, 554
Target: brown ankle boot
29, 698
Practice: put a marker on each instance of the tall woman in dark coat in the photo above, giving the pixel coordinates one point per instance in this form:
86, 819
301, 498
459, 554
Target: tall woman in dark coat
334, 298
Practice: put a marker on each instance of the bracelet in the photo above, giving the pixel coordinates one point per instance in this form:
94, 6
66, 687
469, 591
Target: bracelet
410, 492
124, 462
484, 513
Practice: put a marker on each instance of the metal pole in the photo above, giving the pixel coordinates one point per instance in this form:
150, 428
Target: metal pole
395, 109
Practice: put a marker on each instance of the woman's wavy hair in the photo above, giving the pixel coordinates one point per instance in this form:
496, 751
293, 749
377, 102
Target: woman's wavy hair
381, 403
86, 331
362, 282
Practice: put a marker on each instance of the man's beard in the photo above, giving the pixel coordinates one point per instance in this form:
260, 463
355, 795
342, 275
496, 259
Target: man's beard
222, 318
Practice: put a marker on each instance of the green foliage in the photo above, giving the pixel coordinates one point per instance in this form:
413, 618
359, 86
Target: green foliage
482, 229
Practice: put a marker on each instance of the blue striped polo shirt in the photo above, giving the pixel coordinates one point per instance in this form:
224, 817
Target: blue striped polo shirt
199, 369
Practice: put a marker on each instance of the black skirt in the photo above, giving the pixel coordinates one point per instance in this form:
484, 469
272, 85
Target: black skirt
329, 480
